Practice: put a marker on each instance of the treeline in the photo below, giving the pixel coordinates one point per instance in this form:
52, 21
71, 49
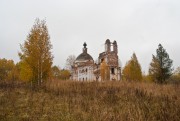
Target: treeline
10, 71
160, 69
36, 59
36, 63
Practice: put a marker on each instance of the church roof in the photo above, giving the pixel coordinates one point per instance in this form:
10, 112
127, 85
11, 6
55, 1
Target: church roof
84, 55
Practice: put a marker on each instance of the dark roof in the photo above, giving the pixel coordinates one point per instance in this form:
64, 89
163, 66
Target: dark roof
84, 56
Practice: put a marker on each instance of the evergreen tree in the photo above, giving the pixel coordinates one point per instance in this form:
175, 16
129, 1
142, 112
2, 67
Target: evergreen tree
161, 65
36, 57
132, 70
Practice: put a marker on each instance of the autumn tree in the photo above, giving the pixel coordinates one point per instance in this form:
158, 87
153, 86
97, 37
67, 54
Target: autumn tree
132, 70
70, 61
177, 71
175, 78
161, 65
14, 74
56, 72
6, 67
64, 74
176, 75
104, 71
59, 74
36, 58
25, 73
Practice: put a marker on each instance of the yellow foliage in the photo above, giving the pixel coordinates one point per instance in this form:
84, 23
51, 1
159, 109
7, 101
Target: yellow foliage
6, 67
25, 72
64, 74
132, 70
104, 70
36, 56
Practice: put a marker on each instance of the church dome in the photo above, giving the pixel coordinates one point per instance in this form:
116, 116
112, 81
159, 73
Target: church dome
84, 56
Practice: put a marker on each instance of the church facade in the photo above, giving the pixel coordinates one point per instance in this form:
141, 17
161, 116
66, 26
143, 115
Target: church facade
85, 69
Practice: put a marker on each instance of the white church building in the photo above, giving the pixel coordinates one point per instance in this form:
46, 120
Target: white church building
85, 69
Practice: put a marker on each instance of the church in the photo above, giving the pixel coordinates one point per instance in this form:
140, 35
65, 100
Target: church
85, 69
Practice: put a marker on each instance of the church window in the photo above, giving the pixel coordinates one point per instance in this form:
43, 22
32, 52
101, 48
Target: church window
112, 70
102, 60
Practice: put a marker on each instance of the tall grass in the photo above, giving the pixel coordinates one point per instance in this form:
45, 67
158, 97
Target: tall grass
91, 101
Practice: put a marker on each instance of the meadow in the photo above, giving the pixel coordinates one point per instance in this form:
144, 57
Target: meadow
89, 101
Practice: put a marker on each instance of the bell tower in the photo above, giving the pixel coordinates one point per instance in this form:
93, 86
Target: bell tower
107, 46
115, 48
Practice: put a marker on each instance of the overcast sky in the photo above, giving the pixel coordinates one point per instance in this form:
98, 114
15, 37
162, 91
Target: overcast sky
137, 26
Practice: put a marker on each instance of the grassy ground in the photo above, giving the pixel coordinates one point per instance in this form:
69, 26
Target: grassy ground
90, 101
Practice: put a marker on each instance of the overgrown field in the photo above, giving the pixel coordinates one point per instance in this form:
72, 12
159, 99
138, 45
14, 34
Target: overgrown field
90, 101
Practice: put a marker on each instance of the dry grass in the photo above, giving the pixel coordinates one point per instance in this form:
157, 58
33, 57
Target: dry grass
81, 101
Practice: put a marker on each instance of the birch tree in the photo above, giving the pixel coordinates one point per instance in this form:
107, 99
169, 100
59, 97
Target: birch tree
36, 53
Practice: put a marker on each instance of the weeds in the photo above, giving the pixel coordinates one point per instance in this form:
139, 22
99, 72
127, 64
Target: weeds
89, 101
